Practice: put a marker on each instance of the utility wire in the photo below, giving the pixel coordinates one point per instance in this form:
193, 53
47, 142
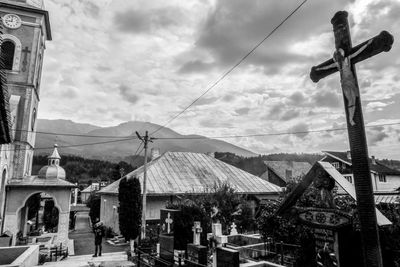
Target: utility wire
75, 145
267, 134
211, 137
78, 135
230, 69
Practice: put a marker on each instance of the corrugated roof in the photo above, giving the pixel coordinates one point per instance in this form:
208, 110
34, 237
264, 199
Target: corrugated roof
183, 172
279, 168
378, 167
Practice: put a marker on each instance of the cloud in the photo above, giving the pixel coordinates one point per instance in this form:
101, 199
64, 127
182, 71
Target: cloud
144, 21
300, 129
326, 99
195, 66
242, 111
233, 27
290, 114
128, 94
205, 101
297, 98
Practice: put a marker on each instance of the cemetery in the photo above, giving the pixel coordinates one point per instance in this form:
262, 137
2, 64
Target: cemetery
203, 212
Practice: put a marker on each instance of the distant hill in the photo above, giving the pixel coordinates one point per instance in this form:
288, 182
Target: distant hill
117, 151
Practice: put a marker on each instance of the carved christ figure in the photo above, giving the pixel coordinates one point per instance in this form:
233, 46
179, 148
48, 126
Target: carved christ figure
347, 79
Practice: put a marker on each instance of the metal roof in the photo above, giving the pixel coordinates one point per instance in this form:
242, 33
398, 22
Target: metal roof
187, 172
298, 169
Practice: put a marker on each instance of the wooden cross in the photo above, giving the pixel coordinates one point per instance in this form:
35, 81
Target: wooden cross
343, 61
196, 233
26, 51
168, 221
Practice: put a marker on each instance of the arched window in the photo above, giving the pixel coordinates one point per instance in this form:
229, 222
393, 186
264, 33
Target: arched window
7, 53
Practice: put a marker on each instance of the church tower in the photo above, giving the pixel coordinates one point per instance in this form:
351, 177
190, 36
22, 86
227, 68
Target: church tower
26, 28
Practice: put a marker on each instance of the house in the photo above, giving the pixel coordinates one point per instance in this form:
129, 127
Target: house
385, 180
176, 173
280, 172
85, 193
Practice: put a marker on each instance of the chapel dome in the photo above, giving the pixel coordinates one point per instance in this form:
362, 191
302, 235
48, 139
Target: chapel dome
52, 170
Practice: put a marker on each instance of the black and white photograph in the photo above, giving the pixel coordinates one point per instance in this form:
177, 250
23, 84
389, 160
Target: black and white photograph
199, 133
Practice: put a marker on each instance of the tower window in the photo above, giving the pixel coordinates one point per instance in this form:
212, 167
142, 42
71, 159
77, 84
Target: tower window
7, 53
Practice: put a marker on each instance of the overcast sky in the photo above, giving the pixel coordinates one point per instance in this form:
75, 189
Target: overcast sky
115, 61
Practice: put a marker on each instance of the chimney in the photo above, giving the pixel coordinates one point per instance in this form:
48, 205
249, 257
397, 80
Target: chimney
155, 153
348, 155
373, 161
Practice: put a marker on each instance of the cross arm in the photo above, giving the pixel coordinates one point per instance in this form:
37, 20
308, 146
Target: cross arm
380, 43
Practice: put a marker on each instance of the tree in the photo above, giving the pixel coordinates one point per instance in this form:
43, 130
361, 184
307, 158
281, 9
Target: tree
130, 209
93, 203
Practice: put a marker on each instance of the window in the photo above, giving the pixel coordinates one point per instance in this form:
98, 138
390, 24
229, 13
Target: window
382, 178
336, 165
348, 178
7, 53
33, 120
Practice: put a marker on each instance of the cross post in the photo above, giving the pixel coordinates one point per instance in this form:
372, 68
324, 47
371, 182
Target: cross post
343, 61
168, 221
196, 233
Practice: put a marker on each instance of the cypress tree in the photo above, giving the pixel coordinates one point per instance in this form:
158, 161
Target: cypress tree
130, 208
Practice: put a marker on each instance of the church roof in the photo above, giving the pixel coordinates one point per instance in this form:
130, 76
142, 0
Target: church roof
187, 172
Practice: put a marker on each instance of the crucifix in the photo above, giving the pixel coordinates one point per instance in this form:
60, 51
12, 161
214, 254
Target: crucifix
26, 51
168, 221
344, 60
196, 233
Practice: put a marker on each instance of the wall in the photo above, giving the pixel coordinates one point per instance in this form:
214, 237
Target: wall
392, 183
25, 256
109, 214
16, 199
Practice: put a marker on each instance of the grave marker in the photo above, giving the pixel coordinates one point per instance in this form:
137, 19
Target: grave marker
196, 253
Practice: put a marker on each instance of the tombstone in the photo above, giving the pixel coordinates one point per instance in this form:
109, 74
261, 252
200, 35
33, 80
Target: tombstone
216, 240
233, 229
196, 253
6, 239
166, 237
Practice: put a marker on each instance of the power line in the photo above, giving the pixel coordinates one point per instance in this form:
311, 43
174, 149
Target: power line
230, 69
267, 134
210, 137
76, 145
77, 135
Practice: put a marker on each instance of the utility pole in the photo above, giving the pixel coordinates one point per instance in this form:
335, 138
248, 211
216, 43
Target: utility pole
145, 139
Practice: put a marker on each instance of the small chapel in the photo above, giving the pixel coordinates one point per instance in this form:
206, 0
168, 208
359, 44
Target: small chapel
39, 205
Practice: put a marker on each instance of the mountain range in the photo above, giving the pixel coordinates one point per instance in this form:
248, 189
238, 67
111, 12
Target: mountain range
70, 136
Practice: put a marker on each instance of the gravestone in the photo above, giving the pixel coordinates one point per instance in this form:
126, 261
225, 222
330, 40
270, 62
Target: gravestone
196, 253
166, 237
233, 229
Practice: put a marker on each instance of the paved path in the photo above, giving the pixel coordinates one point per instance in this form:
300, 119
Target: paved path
84, 238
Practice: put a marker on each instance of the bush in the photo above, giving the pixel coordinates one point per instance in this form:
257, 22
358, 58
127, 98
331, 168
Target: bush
93, 203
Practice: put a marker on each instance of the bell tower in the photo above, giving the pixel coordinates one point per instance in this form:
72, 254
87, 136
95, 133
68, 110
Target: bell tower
26, 28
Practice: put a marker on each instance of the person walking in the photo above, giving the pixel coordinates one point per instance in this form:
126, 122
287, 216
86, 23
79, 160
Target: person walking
98, 230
